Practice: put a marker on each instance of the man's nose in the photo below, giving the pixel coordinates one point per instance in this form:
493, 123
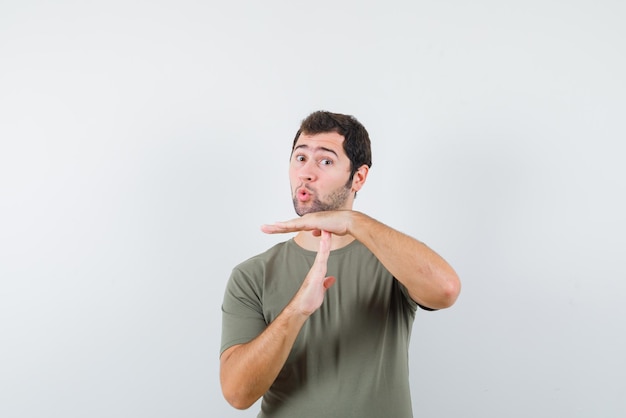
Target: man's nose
307, 172
305, 176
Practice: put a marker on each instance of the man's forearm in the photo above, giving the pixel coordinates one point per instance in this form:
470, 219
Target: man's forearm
430, 280
248, 370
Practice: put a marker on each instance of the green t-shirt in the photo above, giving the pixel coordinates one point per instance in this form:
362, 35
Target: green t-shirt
350, 358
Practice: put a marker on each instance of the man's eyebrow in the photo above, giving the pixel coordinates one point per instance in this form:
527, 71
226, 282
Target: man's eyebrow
306, 147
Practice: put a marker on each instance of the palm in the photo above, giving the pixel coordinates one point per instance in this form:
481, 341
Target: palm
311, 293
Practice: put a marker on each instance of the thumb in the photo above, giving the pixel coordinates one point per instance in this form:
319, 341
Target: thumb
328, 282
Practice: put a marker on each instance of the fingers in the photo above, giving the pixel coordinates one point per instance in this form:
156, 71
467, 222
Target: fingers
311, 294
271, 229
321, 259
285, 227
280, 227
309, 222
336, 222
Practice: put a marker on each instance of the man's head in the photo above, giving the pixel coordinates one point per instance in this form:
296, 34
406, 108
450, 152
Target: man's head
330, 160
356, 142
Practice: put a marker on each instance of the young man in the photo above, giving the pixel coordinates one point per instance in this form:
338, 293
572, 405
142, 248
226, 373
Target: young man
326, 334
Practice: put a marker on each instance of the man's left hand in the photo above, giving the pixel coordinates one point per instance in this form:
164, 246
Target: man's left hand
337, 222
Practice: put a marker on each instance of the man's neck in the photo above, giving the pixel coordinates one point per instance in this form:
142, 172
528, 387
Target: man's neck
308, 241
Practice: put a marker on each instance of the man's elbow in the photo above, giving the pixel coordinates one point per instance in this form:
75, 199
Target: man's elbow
236, 398
234, 389
451, 293
450, 290
239, 403
443, 295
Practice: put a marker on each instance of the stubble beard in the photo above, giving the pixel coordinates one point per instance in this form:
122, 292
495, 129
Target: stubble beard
334, 201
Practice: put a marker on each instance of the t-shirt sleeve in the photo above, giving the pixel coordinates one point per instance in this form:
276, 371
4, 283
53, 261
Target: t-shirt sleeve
242, 312
412, 304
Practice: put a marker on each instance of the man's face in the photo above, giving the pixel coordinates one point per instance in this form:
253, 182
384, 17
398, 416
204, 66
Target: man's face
319, 173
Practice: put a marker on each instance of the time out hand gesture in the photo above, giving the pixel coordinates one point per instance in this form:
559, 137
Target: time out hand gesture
311, 294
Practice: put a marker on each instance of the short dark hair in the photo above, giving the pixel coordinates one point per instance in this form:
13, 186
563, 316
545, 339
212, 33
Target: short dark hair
356, 142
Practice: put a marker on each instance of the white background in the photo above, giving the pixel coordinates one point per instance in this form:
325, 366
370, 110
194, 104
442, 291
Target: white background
143, 143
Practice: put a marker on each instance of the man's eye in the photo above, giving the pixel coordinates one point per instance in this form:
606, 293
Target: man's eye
326, 162
299, 157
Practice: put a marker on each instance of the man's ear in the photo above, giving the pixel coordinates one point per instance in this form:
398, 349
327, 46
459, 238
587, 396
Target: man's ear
359, 177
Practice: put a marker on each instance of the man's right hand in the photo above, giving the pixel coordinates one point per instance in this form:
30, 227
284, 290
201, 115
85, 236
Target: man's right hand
311, 294
248, 370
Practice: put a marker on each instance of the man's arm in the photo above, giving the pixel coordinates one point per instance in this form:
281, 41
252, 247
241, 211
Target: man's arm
429, 279
248, 370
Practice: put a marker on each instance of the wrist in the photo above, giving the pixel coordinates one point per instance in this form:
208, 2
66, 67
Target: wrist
294, 314
355, 222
